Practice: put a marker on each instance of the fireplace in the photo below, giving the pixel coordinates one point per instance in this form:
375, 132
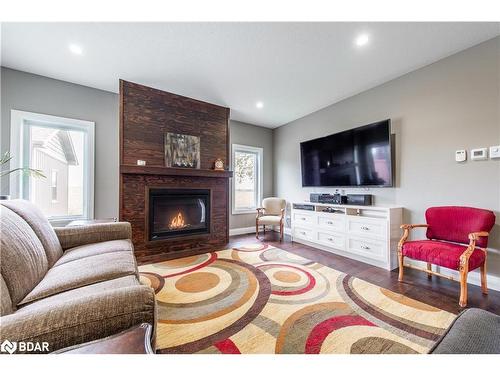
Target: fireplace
178, 212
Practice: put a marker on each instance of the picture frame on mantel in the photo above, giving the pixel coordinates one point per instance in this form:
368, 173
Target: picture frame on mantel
182, 151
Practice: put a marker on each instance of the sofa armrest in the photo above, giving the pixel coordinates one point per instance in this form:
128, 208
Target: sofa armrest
93, 233
62, 323
474, 331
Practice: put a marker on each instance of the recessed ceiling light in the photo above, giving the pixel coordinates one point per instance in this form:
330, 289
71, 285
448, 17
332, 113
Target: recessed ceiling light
259, 105
76, 49
362, 40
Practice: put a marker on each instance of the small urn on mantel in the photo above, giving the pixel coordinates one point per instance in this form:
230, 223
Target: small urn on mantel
218, 165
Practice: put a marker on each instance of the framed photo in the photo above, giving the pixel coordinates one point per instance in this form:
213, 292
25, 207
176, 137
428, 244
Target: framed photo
182, 150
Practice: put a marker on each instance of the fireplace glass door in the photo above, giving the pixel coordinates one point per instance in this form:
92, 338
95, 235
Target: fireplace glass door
178, 212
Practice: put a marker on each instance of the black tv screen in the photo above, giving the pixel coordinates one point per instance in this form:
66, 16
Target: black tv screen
355, 157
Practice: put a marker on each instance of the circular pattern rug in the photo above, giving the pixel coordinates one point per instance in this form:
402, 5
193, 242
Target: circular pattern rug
261, 299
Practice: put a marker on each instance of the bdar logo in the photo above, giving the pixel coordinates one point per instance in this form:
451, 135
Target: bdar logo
8, 347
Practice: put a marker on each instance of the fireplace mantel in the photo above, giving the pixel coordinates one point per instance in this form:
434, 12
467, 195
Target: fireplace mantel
165, 171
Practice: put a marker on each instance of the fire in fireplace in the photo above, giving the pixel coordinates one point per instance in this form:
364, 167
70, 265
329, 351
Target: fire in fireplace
178, 212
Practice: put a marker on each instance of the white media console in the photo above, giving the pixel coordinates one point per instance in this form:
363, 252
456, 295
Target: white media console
366, 233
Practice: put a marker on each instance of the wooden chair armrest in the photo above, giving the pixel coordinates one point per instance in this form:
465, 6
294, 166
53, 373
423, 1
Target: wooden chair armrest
260, 212
406, 233
464, 258
411, 226
475, 235
283, 212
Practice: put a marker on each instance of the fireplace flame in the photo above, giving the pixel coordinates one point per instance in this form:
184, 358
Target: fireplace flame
178, 222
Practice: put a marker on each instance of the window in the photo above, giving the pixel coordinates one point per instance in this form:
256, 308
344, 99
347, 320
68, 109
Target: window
63, 150
247, 179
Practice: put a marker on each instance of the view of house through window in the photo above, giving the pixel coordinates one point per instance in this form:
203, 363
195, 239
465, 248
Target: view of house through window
247, 162
62, 149
59, 154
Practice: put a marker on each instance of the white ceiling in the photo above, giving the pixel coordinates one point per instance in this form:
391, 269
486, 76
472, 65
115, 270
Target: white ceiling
293, 68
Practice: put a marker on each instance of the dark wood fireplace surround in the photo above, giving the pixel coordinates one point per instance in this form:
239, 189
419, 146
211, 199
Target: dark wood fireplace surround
145, 115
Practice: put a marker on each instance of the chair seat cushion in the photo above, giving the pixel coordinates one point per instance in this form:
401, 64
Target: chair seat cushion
269, 220
82, 272
84, 251
441, 253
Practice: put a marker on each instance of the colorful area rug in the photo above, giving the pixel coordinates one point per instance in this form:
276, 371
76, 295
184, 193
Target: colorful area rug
261, 299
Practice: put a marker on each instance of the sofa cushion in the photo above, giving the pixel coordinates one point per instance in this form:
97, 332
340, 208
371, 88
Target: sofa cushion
84, 251
84, 317
24, 262
443, 254
6, 307
68, 296
40, 225
474, 331
82, 272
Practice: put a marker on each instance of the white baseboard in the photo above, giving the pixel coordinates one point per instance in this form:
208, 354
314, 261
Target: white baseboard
238, 231
473, 278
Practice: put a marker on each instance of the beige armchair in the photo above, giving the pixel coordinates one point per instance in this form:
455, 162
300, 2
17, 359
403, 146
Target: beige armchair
272, 212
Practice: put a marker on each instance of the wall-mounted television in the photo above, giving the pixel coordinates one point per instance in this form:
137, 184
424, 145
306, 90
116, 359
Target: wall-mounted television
359, 157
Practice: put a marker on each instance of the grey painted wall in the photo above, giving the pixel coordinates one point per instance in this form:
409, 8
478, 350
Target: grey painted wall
251, 135
33, 93
449, 105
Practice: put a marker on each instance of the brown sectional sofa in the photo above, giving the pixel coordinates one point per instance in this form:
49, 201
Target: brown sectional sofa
70, 285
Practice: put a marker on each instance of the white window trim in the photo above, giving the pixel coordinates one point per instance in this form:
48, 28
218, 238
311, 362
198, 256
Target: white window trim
17, 121
260, 166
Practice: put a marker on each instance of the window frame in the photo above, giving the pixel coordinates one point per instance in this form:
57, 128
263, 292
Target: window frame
18, 126
259, 151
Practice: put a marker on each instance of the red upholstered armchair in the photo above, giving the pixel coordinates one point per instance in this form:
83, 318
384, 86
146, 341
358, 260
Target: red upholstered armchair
457, 238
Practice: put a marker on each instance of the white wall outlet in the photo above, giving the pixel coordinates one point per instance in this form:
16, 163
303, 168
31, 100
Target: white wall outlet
494, 152
479, 154
460, 156
141, 163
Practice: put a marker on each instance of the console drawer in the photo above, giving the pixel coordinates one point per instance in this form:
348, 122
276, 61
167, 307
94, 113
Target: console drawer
303, 219
335, 240
367, 227
367, 247
304, 233
332, 222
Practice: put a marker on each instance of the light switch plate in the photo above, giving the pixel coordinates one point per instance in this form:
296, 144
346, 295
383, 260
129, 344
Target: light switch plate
494, 152
460, 156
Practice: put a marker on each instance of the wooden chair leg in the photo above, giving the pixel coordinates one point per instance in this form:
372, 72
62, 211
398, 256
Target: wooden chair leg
463, 287
400, 258
264, 230
281, 232
484, 285
257, 229
429, 268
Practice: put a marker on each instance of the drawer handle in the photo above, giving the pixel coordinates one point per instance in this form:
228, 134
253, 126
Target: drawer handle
330, 239
364, 247
365, 228
303, 233
329, 222
302, 218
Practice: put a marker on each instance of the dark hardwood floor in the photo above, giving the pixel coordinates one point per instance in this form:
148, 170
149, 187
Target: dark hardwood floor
438, 292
